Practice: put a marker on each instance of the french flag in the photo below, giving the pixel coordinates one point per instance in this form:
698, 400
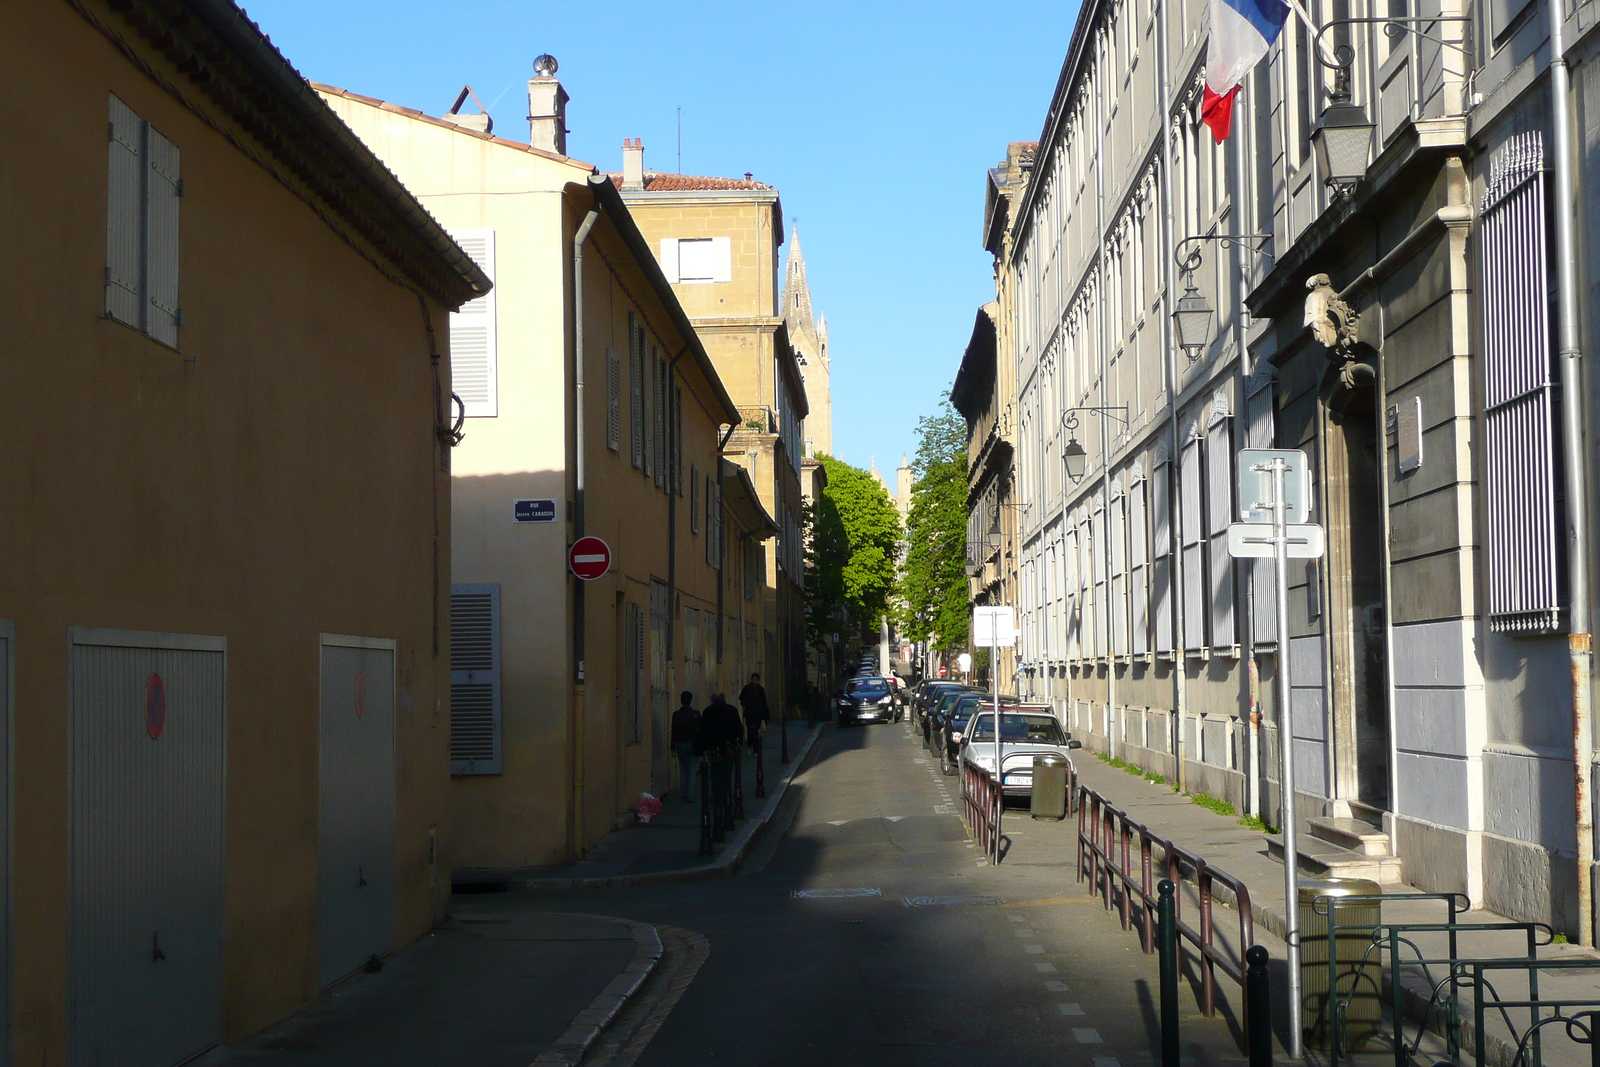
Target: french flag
1241, 33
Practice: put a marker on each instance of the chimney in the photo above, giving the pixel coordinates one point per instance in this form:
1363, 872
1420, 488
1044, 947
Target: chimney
547, 107
632, 164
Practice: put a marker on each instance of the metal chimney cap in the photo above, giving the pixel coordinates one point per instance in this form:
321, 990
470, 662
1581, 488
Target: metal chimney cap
545, 65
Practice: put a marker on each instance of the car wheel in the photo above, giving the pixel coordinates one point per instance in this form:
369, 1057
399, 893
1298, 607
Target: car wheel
944, 764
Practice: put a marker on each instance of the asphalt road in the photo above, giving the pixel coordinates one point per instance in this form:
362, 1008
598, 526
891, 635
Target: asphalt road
866, 929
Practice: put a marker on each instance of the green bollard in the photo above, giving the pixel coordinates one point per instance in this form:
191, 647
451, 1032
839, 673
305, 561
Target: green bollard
1258, 1007
1167, 941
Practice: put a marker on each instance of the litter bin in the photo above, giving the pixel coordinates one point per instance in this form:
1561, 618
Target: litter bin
1049, 792
1357, 988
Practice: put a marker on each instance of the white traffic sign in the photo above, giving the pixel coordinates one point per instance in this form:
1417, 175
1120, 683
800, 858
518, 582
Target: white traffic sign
1255, 484
994, 627
1301, 541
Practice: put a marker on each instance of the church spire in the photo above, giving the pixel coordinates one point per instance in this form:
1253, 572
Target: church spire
796, 293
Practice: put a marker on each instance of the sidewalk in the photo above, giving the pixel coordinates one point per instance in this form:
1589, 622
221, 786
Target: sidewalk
667, 849
1242, 852
480, 991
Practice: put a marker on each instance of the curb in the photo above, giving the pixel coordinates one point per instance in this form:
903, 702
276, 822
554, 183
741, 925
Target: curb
725, 866
587, 1026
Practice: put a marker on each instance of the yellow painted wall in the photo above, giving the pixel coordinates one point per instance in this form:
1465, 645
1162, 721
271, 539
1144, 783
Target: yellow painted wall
272, 479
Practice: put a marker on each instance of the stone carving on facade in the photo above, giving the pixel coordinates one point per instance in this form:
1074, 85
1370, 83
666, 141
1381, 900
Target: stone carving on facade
1336, 325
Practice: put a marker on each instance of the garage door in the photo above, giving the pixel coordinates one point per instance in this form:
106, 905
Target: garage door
357, 845
148, 747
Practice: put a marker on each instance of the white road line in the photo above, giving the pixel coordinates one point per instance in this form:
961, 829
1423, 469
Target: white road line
1032, 950
1106, 1061
1086, 1036
1069, 1009
1023, 932
1016, 918
1056, 987
1045, 968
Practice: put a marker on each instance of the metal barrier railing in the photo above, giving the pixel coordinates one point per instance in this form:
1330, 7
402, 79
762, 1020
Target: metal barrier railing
1469, 974
983, 797
1103, 831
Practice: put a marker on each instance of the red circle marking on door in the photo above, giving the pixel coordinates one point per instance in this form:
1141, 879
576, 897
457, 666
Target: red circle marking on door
155, 705
361, 694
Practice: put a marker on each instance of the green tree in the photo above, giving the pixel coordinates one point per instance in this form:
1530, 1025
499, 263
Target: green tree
855, 535
934, 586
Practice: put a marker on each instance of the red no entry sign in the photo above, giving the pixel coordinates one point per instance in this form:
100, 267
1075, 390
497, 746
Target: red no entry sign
589, 558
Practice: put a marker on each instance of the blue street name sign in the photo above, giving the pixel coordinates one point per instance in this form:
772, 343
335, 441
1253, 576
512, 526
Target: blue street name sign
534, 511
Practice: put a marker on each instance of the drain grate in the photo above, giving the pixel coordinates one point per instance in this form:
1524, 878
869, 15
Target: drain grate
835, 894
951, 902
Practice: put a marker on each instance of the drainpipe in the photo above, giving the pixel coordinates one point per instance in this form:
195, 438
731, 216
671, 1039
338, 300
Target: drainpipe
1114, 741
1579, 646
579, 467
1245, 576
1169, 280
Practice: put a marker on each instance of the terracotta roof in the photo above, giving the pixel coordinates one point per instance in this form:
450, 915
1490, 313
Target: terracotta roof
655, 182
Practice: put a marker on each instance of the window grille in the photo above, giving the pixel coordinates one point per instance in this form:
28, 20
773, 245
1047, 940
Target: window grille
613, 401
1520, 474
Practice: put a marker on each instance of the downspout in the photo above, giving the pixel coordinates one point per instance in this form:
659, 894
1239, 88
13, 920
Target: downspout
1105, 400
1169, 277
580, 474
1247, 636
1570, 354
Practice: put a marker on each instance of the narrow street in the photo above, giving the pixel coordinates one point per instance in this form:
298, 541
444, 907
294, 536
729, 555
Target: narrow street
865, 929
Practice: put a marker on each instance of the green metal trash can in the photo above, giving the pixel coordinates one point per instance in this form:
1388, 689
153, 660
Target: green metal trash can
1359, 990
1048, 799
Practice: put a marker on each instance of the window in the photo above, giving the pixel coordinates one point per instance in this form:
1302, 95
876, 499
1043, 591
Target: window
697, 260
473, 357
1118, 558
142, 191
1219, 514
632, 673
1161, 554
694, 499
1192, 534
475, 679
1138, 572
613, 401
636, 392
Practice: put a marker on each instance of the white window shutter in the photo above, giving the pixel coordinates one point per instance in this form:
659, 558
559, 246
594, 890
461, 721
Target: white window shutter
1118, 557
721, 259
474, 366
163, 187
1161, 554
475, 679
1219, 514
613, 401
1138, 567
669, 258
125, 216
1191, 529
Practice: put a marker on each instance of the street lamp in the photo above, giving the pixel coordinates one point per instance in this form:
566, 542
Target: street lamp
1193, 318
1073, 457
1076, 459
1341, 140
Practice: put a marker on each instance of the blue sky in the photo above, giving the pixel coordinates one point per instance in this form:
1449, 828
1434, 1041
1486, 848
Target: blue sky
875, 121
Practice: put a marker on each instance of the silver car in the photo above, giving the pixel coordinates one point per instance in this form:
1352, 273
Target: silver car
1025, 732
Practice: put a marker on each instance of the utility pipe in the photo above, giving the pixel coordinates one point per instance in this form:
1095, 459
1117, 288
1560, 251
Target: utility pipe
1570, 353
1169, 277
579, 467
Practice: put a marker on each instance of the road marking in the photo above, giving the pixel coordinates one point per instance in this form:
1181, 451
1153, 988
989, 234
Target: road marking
1045, 968
836, 894
1069, 1009
1086, 1036
1056, 987
1023, 932
950, 902
982, 863
1016, 918
1033, 950
1106, 1061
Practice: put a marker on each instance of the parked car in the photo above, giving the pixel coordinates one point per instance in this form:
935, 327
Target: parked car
863, 700
950, 729
928, 693
1025, 732
935, 714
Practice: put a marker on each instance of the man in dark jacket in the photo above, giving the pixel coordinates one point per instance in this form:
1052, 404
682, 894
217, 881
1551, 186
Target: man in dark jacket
753, 699
685, 741
719, 726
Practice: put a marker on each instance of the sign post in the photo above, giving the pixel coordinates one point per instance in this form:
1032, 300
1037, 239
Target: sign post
1281, 477
995, 627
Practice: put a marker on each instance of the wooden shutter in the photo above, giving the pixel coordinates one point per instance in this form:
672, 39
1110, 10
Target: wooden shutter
669, 258
711, 529
677, 439
658, 423
163, 187
613, 400
652, 390
1138, 565
1161, 555
125, 169
632, 672
721, 259
474, 362
635, 393
475, 679
694, 498
1191, 530
1219, 514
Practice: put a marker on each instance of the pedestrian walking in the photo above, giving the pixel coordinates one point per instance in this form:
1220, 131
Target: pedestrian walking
686, 741
719, 743
753, 699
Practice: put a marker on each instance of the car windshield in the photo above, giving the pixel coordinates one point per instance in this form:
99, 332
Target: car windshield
867, 687
1019, 729
949, 699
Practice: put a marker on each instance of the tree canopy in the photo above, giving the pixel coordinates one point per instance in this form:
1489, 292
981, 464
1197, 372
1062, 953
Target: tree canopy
934, 586
850, 564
